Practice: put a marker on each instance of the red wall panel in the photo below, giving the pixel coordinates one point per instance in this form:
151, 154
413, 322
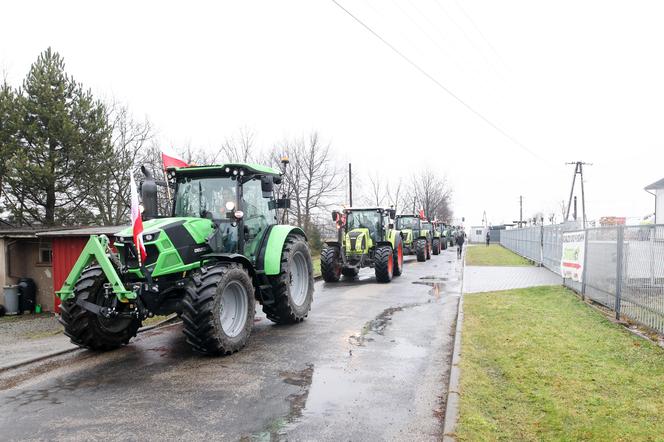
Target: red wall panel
66, 251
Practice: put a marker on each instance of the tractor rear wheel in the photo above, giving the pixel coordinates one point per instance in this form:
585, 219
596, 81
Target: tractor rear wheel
85, 328
350, 272
293, 288
218, 313
398, 256
384, 263
436, 246
330, 264
421, 249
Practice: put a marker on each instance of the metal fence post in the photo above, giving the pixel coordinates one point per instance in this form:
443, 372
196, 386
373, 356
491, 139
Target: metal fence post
585, 263
542, 245
619, 268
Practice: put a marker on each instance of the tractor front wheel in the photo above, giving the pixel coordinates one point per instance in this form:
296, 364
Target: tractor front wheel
330, 264
218, 313
293, 288
85, 328
436, 246
421, 249
384, 263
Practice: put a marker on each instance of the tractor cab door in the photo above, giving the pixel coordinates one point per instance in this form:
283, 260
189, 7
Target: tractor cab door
259, 214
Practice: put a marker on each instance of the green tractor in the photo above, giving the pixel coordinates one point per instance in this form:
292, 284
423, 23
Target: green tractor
365, 239
441, 234
416, 239
219, 252
436, 245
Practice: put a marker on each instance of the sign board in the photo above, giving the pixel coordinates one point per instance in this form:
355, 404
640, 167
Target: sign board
571, 263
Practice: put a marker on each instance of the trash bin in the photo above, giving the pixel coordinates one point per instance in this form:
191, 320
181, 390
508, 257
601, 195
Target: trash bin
28, 293
11, 299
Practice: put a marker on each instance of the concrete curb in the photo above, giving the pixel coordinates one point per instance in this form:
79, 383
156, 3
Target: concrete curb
170, 320
453, 394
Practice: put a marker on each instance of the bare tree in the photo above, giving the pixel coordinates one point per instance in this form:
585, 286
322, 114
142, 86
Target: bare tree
110, 195
311, 179
431, 194
376, 188
240, 147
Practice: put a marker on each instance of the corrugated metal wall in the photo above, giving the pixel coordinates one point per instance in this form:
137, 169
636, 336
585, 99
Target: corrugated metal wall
66, 251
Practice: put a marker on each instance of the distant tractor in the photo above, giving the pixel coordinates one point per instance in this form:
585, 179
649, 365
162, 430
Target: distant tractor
416, 238
219, 252
442, 235
436, 240
364, 239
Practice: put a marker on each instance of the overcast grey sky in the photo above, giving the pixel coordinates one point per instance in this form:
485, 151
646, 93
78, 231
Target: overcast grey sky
570, 80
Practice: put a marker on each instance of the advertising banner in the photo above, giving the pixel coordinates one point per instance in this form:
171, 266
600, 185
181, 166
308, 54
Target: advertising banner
571, 264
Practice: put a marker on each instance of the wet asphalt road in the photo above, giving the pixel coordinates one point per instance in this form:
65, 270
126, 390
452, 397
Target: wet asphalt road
370, 363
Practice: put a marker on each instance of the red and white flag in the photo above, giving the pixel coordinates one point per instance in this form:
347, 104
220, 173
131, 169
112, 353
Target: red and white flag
171, 159
421, 213
136, 220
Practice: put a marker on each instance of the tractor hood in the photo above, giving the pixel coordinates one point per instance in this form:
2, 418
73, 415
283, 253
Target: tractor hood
172, 244
358, 241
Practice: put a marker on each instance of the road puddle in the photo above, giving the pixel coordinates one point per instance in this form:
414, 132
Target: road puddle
377, 325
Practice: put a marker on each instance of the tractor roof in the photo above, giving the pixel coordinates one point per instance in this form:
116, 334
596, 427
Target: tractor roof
358, 209
408, 215
248, 167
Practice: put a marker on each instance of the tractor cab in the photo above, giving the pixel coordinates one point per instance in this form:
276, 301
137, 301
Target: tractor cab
364, 228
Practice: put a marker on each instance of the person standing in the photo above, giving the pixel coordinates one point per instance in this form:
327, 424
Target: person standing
460, 239
488, 237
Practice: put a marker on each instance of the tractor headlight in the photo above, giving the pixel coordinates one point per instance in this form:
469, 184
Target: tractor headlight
239, 214
148, 237
230, 206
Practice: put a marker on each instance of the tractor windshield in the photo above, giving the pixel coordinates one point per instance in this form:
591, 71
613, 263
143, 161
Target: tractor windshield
426, 226
410, 222
206, 197
365, 219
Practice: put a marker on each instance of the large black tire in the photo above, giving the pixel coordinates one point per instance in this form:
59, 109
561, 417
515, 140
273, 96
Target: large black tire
293, 288
398, 256
443, 243
421, 249
436, 246
350, 272
384, 263
88, 330
330, 264
206, 308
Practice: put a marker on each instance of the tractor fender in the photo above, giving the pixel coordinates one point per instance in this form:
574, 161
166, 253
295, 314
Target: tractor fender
232, 257
333, 244
275, 245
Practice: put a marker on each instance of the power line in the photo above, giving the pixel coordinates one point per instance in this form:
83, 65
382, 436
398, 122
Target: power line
436, 82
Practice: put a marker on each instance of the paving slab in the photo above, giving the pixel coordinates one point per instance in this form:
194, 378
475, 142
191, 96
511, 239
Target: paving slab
479, 279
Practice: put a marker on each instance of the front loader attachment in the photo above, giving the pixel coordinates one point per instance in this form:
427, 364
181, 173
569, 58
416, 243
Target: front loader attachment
96, 249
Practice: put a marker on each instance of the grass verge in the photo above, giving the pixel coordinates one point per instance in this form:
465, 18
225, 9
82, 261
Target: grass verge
538, 364
494, 255
316, 262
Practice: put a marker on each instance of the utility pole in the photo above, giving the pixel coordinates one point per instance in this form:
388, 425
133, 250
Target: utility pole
578, 170
520, 211
350, 185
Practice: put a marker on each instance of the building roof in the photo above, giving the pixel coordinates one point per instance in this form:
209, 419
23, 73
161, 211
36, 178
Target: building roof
656, 185
24, 232
82, 231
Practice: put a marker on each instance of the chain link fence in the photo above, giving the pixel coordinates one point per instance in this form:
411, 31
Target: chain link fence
623, 268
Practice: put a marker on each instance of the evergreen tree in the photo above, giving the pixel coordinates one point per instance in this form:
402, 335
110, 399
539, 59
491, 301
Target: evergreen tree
61, 141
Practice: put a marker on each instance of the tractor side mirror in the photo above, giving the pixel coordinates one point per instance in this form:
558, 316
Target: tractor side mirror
149, 195
276, 180
283, 203
267, 186
335, 215
393, 213
390, 226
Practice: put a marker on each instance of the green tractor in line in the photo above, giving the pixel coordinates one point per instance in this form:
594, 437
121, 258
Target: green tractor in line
441, 234
416, 238
219, 252
365, 239
436, 245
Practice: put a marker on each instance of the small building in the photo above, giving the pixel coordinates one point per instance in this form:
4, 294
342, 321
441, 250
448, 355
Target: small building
45, 255
477, 234
67, 246
657, 189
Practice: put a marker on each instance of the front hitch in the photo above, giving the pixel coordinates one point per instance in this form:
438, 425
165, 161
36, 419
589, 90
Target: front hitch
97, 249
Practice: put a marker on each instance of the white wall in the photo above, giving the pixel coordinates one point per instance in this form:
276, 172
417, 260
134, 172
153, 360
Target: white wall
659, 215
